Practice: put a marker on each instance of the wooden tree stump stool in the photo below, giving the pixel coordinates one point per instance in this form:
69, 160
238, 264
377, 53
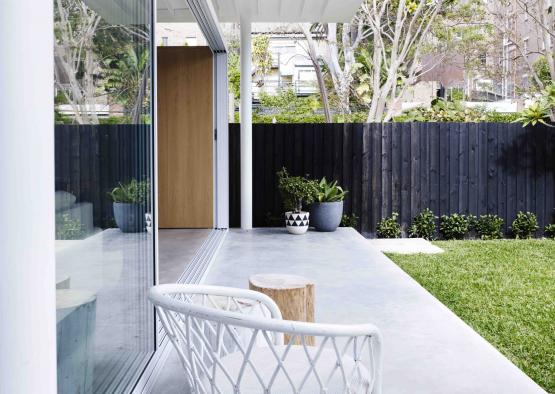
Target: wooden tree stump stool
293, 294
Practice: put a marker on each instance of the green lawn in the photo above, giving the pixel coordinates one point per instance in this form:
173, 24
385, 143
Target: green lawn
503, 289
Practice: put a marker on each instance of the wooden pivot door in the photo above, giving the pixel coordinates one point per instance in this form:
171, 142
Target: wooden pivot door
185, 137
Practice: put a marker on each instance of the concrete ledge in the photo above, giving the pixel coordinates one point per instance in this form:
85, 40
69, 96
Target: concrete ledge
404, 245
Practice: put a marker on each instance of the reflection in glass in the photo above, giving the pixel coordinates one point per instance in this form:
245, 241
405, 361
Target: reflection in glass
103, 134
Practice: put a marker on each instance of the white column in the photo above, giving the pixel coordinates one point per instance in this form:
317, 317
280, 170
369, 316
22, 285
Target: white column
27, 267
246, 124
222, 142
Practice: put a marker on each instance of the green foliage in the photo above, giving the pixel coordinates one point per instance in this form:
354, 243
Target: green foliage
456, 94
525, 225
115, 120
60, 98
287, 107
329, 191
124, 74
285, 118
349, 220
423, 225
541, 68
541, 110
288, 117
261, 56
234, 68
61, 119
448, 111
535, 113
132, 192
296, 190
489, 227
389, 227
69, 228
550, 231
454, 226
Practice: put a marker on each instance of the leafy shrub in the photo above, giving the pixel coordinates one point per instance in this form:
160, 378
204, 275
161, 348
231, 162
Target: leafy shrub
489, 227
349, 221
550, 231
525, 225
329, 192
454, 226
452, 111
69, 228
132, 192
296, 190
423, 225
541, 110
389, 227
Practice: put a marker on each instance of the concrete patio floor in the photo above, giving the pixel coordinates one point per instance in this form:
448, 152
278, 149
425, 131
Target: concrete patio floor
427, 348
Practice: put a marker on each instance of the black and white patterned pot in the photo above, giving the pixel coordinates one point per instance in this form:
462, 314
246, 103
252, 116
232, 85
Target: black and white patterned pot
296, 223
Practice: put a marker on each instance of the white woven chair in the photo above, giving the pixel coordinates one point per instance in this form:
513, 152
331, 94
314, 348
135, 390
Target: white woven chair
231, 341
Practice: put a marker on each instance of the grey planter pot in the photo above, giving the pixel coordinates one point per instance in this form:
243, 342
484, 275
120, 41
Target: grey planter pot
130, 218
326, 216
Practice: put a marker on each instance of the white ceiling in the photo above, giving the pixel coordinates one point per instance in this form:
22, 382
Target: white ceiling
284, 11
264, 10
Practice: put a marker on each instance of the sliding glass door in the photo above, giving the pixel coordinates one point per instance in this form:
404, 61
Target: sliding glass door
104, 206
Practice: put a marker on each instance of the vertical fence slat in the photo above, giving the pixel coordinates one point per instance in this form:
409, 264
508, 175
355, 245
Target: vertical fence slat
415, 193
424, 135
375, 191
501, 162
521, 171
444, 143
270, 182
347, 165
386, 170
338, 153
463, 167
434, 174
259, 161
540, 172
297, 148
328, 150
550, 176
473, 168
366, 164
406, 213
492, 169
317, 171
454, 174
511, 151
396, 168
356, 169
279, 138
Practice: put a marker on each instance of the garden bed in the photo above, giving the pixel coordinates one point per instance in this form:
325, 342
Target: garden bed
504, 290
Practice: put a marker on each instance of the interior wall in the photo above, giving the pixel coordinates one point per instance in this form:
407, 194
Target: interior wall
185, 137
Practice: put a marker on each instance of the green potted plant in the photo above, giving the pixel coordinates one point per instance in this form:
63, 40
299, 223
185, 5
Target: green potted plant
130, 203
327, 209
296, 191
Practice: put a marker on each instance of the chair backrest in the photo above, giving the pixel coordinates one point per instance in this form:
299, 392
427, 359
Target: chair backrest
207, 323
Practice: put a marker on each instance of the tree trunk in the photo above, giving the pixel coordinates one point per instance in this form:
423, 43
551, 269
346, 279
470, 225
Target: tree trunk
319, 74
136, 112
294, 295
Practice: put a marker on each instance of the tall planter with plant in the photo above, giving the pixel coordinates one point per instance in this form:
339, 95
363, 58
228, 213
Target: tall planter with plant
129, 203
296, 191
327, 209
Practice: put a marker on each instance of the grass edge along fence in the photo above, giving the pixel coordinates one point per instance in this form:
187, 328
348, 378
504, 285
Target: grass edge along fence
467, 168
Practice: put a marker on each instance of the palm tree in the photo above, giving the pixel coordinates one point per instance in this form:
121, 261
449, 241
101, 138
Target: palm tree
126, 79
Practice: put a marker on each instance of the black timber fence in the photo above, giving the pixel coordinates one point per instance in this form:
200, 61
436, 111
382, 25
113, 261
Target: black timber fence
476, 168
90, 160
